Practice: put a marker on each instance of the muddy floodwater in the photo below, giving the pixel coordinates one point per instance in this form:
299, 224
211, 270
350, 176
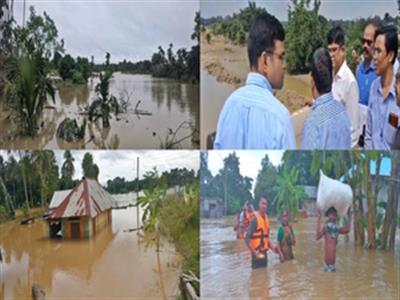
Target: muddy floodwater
226, 271
113, 264
169, 102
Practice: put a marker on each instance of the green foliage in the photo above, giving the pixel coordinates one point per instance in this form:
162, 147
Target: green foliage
25, 210
90, 169
29, 86
305, 32
228, 182
237, 27
3, 214
265, 183
289, 193
68, 169
180, 221
69, 131
78, 72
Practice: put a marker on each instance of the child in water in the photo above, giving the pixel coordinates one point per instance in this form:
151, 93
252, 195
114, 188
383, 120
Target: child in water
286, 238
330, 231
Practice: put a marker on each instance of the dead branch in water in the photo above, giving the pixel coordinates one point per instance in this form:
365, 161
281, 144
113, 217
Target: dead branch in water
171, 138
37, 292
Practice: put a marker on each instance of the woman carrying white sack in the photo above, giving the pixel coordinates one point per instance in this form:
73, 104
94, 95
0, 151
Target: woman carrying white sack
335, 198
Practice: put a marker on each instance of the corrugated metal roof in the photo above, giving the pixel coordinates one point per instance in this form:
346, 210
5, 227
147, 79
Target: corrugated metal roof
88, 198
58, 197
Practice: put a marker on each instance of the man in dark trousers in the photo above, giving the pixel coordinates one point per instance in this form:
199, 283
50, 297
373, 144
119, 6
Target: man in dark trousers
258, 237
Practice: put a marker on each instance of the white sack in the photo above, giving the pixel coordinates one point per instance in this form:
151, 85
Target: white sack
334, 193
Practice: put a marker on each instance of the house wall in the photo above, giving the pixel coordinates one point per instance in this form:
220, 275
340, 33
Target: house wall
83, 225
101, 221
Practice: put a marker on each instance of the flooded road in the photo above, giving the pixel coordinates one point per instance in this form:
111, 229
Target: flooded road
170, 103
113, 264
226, 268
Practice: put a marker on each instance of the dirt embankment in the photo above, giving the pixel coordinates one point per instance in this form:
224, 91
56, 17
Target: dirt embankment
229, 63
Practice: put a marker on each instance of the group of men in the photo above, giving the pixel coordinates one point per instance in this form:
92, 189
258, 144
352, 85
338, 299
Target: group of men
347, 110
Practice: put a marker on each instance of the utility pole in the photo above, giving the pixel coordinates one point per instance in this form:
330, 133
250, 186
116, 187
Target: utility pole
137, 194
23, 17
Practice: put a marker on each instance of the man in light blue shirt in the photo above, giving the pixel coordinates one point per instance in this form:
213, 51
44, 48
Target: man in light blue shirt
328, 125
383, 113
252, 118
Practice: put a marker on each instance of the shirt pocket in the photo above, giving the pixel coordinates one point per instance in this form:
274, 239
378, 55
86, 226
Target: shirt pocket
389, 133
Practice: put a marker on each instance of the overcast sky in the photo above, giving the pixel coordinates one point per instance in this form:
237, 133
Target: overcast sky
250, 161
332, 9
113, 163
128, 29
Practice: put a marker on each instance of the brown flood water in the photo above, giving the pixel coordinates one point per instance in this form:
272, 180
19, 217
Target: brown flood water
170, 103
113, 264
226, 271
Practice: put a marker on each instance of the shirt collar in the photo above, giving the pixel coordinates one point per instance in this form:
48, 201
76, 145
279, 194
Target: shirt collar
257, 79
370, 68
322, 99
391, 91
342, 70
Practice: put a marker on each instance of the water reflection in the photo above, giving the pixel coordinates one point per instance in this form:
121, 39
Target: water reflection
170, 103
113, 264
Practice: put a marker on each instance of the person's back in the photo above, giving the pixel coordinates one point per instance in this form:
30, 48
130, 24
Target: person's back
252, 118
327, 126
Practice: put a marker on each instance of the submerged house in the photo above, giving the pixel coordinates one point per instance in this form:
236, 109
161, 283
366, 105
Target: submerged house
80, 212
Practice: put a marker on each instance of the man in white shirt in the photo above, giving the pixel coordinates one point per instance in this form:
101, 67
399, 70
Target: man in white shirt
344, 86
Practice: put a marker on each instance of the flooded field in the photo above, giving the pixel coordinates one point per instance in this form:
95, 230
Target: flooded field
226, 268
169, 102
113, 264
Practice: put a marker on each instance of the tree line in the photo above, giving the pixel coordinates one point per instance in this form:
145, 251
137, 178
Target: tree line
182, 64
375, 219
305, 31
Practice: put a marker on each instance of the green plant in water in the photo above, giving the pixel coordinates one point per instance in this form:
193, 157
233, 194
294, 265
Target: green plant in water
152, 202
29, 85
105, 104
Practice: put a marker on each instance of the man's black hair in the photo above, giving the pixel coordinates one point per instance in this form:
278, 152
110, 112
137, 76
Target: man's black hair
331, 210
391, 40
264, 31
336, 35
321, 70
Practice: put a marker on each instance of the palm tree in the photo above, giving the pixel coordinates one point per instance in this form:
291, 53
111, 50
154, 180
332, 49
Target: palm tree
29, 87
68, 169
289, 193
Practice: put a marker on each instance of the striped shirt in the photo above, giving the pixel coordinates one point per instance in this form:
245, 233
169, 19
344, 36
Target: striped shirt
327, 126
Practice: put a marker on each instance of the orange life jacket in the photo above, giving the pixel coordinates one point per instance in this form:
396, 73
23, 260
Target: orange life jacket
246, 219
259, 239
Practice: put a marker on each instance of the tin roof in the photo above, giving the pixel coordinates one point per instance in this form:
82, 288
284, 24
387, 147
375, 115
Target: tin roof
57, 198
88, 198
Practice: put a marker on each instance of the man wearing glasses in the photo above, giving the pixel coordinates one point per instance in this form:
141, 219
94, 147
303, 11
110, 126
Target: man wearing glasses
252, 118
366, 72
383, 112
344, 87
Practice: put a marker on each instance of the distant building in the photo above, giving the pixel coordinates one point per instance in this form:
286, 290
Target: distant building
211, 207
310, 202
80, 212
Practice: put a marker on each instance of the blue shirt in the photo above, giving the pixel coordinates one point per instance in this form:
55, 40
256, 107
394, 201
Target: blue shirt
252, 118
327, 126
365, 77
380, 134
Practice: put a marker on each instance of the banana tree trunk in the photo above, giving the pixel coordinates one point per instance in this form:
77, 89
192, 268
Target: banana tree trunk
371, 204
